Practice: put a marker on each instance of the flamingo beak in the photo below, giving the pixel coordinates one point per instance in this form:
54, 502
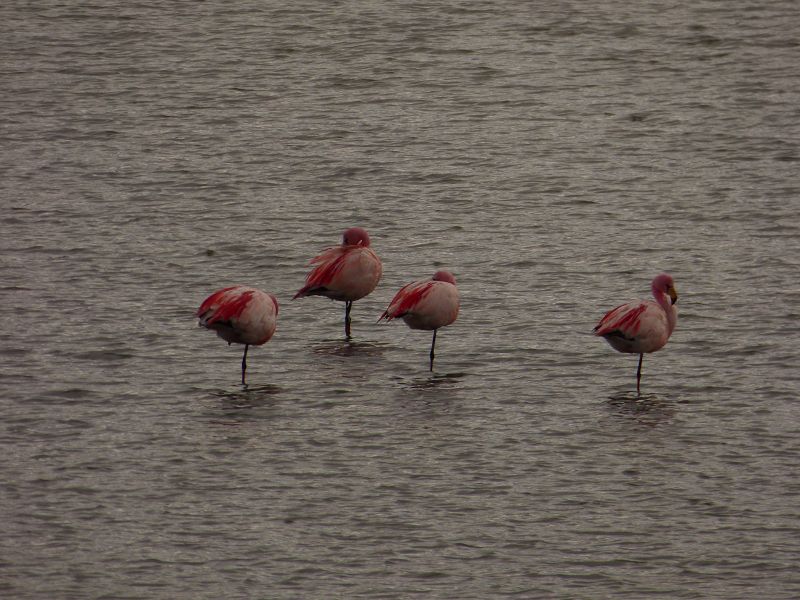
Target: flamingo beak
673, 294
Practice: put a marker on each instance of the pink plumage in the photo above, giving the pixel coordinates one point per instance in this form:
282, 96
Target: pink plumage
346, 273
427, 304
642, 326
240, 315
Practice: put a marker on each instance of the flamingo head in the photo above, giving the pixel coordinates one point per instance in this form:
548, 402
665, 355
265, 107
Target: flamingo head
664, 284
444, 276
355, 236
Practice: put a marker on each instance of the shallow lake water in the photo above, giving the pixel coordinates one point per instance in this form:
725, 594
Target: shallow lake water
555, 159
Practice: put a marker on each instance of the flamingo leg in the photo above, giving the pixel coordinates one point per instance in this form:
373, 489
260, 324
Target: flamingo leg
348, 305
244, 362
433, 343
639, 373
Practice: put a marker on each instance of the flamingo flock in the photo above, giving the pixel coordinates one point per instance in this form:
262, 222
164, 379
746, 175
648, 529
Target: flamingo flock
351, 271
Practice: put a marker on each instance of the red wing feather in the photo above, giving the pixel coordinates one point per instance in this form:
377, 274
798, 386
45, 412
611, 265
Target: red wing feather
406, 299
224, 306
213, 299
325, 271
624, 318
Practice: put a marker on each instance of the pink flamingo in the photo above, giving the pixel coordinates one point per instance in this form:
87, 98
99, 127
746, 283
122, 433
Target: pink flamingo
426, 304
643, 325
346, 273
240, 315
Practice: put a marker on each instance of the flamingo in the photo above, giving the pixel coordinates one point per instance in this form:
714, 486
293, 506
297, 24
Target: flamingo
346, 273
240, 315
642, 325
426, 304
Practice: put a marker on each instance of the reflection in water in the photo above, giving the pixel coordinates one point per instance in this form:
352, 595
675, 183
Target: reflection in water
434, 381
647, 409
432, 392
237, 407
347, 366
247, 397
349, 348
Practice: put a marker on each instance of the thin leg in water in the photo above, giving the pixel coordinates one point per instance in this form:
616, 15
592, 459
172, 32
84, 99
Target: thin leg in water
347, 306
639, 373
244, 362
433, 343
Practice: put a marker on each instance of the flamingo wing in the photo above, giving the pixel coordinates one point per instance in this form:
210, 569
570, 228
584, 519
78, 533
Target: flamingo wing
225, 305
635, 327
624, 320
328, 264
404, 301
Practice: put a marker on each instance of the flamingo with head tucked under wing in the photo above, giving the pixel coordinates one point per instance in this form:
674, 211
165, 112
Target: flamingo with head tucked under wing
240, 315
642, 326
426, 304
346, 273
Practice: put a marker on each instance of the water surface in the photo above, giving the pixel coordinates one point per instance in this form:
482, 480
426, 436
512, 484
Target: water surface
554, 158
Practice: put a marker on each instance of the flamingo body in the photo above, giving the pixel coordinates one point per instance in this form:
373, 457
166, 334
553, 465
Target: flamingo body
240, 315
636, 327
427, 304
642, 326
346, 273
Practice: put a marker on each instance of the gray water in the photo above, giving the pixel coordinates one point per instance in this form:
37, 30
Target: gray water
554, 156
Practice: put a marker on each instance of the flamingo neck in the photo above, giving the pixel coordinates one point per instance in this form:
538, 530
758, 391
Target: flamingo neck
664, 301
